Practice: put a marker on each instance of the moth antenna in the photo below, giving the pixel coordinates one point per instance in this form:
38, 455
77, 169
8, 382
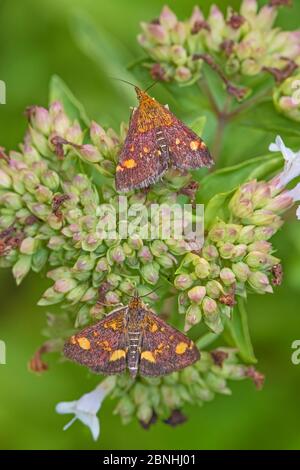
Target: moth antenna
124, 81
150, 86
151, 292
136, 293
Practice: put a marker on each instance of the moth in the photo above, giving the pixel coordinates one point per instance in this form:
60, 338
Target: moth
156, 139
132, 337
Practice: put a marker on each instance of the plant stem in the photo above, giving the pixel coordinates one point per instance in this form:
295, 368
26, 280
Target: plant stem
224, 116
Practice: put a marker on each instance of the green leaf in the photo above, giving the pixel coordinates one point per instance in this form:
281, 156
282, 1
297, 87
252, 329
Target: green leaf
236, 332
59, 91
265, 117
103, 48
216, 207
227, 179
198, 125
206, 340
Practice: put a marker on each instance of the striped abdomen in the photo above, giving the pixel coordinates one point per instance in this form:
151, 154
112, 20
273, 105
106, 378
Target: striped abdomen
133, 352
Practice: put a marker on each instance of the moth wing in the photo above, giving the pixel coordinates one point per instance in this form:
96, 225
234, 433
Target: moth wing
187, 149
142, 160
101, 347
164, 349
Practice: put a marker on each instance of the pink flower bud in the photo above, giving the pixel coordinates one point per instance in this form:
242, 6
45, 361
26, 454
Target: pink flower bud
196, 294
260, 282
183, 281
167, 18
227, 276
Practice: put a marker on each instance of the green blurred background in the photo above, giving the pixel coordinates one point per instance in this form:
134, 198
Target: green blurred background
37, 39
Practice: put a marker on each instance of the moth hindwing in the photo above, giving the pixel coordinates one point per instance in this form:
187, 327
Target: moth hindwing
132, 337
155, 140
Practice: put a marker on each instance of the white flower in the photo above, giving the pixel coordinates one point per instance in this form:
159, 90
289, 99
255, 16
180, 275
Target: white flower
295, 195
298, 213
292, 162
86, 408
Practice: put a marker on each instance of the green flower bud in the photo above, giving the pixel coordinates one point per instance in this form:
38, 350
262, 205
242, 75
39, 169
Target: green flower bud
54, 222
135, 243
250, 67
40, 119
218, 232
61, 124
210, 252
59, 273
183, 281
246, 234
257, 260
50, 179
77, 293
127, 286
84, 264
50, 297
89, 153
150, 272
217, 384
91, 242
5, 180
64, 285
144, 413
43, 194
286, 98
227, 276
166, 261
189, 375
125, 408
56, 243
264, 233
261, 195
29, 246
39, 259
196, 294
91, 294
11, 201
158, 247
210, 308
140, 394
232, 232
193, 316
214, 289
202, 268
260, 245
116, 255
178, 55
227, 250
239, 251
170, 396
102, 265
214, 270
112, 298
74, 133
41, 211
40, 142
262, 217
21, 268
260, 282
211, 315
6, 221
241, 271
145, 254
113, 279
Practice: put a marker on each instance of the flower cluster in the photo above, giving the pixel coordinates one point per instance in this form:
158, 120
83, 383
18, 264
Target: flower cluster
150, 399
243, 43
286, 97
53, 193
